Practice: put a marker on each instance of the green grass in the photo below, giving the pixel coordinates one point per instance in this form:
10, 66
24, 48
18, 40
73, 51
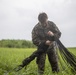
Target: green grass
11, 57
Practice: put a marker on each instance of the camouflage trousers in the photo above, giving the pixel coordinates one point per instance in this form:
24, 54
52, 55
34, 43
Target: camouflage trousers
52, 57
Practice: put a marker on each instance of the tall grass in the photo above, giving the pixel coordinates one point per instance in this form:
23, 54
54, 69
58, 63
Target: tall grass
11, 57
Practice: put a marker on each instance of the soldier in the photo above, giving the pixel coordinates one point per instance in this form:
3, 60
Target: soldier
40, 33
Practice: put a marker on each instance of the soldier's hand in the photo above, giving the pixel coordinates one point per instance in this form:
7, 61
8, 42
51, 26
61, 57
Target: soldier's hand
50, 33
48, 42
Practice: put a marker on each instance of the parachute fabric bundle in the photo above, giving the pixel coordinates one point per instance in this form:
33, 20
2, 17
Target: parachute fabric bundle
68, 58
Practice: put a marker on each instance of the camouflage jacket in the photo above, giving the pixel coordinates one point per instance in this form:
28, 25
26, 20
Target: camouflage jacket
39, 32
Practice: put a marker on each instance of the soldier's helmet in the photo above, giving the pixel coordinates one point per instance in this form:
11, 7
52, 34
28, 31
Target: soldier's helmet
42, 17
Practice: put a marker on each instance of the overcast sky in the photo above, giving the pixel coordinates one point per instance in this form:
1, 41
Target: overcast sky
18, 17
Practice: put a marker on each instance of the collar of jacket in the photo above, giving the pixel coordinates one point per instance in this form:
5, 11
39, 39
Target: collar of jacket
43, 25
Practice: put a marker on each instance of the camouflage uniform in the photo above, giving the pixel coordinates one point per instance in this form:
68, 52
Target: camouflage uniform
39, 35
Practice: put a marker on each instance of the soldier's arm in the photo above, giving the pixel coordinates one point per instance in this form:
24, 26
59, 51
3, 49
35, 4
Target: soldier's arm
35, 38
57, 32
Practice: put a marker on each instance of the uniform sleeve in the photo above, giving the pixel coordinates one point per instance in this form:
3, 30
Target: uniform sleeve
35, 38
57, 32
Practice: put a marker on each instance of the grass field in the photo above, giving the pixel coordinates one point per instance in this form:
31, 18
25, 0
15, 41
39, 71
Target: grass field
11, 57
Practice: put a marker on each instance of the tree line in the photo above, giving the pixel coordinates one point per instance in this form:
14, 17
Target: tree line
16, 43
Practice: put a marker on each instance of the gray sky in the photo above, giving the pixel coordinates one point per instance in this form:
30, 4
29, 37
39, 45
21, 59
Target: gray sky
18, 17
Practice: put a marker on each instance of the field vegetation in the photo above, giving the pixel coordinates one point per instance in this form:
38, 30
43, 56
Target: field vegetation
11, 57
